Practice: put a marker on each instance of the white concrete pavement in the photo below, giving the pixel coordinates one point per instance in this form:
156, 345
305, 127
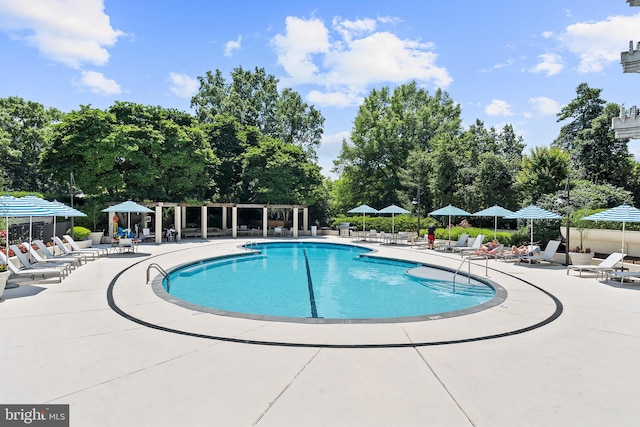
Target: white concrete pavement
62, 343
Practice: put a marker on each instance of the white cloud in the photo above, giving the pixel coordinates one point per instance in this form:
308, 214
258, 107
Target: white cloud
544, 105
351, 56
599, 44
334, 99
232, 45
73, 32
98, 83
498, 108
183, 85
550, 63
329, 150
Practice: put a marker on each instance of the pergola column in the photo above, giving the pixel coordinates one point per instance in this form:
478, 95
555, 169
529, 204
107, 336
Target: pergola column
224, 218
265, 221
234, 222
158, 221
177, 221
203, 221
295, 222
305, 220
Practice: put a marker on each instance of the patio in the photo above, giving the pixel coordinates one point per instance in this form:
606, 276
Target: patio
62, 343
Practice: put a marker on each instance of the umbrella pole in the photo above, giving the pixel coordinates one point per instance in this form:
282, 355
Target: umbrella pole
495, 228
363, 222
449, 229
531, 234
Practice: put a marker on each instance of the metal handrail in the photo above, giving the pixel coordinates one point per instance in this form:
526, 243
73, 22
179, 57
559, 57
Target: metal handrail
252, 245
468, 260
161, 270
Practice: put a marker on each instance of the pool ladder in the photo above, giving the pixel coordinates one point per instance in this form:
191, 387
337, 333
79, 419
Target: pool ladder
467, 259
161, 270
253, 246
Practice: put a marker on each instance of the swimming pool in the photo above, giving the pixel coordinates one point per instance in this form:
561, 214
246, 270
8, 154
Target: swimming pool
323, 282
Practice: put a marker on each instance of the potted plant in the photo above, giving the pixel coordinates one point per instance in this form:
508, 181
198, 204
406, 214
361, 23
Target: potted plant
4, 275
580, 256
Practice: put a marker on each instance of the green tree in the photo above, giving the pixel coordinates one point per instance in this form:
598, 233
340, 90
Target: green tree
131, 151
276, 172
252, 97
388, 127
596, 155
24, 133
544, 171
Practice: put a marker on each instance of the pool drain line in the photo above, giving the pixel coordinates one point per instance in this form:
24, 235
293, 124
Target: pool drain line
312, 297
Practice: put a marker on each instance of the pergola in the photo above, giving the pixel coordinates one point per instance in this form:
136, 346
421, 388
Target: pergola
233, 208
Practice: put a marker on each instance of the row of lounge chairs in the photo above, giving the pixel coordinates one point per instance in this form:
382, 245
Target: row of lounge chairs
44, 264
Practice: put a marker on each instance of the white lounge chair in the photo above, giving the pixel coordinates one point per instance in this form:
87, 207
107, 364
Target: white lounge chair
27, 265
548, 254
493, 253
60, 244
49, 254
474, 247
31, 273
78, 249
126, 245
460, 243
70, 262
605, 266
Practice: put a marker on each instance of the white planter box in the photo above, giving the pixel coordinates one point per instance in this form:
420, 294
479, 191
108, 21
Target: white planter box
605, 241
580, 258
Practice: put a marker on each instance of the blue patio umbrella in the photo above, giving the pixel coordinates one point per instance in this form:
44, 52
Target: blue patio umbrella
128, 207
15, 207
57, 208
450, 211
533, 212
393, 209
623, 213
363, 209
494, 211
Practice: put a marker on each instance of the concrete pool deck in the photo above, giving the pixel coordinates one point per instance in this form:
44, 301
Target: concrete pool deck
63, 343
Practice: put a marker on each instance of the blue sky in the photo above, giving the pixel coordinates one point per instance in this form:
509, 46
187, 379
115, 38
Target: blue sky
502, 61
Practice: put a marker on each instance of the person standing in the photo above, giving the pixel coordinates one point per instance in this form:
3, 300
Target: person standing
431, 236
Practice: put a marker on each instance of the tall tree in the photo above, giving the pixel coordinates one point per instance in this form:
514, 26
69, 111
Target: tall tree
276, 172
24, 133
389, 126
543, 171
252, 97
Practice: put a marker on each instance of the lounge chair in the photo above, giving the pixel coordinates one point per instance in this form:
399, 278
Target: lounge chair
78, 249
474, 247
47, 252
460, 243
493, 253
28, 265
605, 266
70, 262
60, 244
548, 254
32, 273
126, 245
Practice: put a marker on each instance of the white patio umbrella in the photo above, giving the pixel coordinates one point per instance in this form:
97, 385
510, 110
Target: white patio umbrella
363, 209
623, 213
128, 207
450, 211
533, 212
494, 211
393, 209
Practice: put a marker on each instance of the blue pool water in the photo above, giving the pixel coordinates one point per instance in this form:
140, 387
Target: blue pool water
330, 281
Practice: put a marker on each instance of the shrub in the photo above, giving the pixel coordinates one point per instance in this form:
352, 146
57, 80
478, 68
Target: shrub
80, 233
